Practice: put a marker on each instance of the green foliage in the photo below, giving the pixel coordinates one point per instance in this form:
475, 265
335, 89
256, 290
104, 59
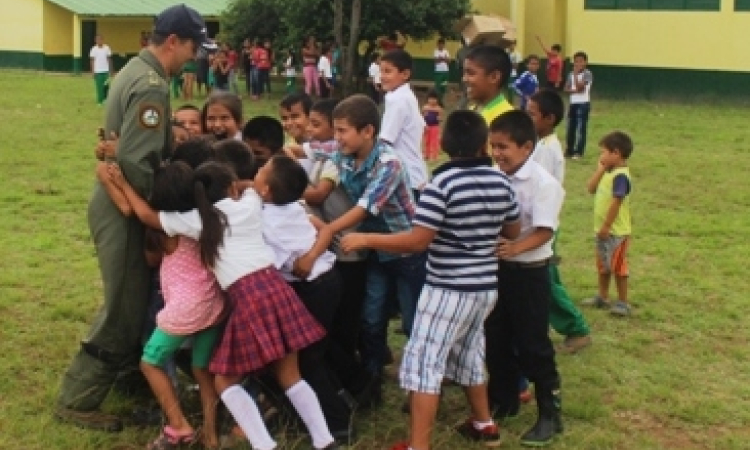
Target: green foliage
255, 19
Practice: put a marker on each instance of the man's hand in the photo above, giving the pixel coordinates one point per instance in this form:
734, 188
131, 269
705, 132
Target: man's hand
353, 242
106, 149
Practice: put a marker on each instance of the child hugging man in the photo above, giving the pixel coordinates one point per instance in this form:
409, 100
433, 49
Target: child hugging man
546, 110
372, 175
461, 213
486, 72
517, 329
612, 187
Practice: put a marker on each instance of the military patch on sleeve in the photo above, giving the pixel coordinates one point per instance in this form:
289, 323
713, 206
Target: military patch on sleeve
150, 115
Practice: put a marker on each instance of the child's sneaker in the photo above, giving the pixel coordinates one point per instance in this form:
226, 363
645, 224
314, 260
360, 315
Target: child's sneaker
596, 302
489, 435
620, 308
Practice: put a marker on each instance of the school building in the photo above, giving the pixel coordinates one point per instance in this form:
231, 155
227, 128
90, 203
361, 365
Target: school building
57, 35
641, 48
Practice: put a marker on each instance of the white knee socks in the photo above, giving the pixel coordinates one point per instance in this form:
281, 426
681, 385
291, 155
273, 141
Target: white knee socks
246, 413
307, 405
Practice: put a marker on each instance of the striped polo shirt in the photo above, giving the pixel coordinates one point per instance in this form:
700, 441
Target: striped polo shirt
467, 202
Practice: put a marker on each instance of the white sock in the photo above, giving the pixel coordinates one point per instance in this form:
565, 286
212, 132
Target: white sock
481, 425
307, 405
246, 413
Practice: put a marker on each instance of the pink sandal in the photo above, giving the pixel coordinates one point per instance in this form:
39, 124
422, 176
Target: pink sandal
170, 439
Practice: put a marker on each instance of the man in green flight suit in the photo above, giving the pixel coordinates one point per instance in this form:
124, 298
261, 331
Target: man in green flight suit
138, 112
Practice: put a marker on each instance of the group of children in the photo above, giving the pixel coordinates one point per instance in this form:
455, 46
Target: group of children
286, 256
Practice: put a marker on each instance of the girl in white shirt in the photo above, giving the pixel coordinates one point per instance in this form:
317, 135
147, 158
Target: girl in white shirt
268, 323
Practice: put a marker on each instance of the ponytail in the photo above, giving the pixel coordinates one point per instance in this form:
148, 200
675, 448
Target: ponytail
214, 221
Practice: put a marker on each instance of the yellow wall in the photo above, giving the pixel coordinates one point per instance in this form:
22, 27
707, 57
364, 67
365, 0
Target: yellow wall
58, 30
123, 35
712, 40
21, 26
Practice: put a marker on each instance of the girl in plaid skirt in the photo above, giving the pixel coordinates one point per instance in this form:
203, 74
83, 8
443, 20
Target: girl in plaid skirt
267, 324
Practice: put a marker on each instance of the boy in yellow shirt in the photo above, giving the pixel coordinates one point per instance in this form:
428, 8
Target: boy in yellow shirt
612, 188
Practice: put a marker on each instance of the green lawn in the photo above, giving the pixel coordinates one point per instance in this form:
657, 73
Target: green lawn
672, 376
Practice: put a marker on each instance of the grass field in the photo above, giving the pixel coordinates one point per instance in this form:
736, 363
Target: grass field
674, 376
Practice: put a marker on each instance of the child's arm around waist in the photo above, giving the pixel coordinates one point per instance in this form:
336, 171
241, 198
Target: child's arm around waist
415, 240
508, 248
148, 216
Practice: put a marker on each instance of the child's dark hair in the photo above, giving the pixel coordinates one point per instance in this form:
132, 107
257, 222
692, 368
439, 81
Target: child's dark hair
287, 180
517, 125
400, 59
237, 155
212, 182
441, 41
550, 104
581, 55
230, 101
374, 57
325, 108
360, 111
295, 98
619, 141
188, 107
172, 191
173, 188
193, 152
266, 130
464, 135
557, 47
492, 58
532, 57
432, 93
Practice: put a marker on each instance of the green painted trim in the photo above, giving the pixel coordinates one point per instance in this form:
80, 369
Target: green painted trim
654, 83
21, 60
424, 70
58, 63
653, 5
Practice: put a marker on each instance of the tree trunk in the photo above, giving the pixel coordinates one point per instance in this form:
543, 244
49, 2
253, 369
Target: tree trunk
351, 50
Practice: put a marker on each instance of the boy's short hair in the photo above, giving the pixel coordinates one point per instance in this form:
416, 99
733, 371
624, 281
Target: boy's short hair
557, 47
549, 103
532, 57
581, 55
266, 130
238, 155
400, 59
491, 58
325, 108
515, 124
617, 140
465, 134
188, 107
295, 98
359, 110
287, 180
193, 152
441, 41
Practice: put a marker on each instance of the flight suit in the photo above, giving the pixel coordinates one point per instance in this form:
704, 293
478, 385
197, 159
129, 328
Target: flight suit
138, 111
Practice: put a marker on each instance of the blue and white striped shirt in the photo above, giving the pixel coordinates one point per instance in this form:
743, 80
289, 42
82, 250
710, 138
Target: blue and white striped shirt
467, 202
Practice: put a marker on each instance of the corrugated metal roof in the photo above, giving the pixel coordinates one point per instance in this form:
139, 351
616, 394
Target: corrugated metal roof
138, 7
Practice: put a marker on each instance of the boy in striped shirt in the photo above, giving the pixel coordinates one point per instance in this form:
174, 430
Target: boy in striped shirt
460, 216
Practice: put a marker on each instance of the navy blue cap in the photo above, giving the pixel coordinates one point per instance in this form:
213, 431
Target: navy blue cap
183, 21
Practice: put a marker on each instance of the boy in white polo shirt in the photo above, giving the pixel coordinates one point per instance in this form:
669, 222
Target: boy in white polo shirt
579, 88
461, 214
517, 329
402, 126
101, 66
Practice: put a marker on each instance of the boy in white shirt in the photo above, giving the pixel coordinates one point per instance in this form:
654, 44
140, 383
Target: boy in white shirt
579, 87
374, 79
402, 125
442, 68
326, 73
516, 333
546, 109
101, 66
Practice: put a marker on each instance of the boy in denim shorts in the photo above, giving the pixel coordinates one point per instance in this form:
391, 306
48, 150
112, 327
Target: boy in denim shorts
612, 187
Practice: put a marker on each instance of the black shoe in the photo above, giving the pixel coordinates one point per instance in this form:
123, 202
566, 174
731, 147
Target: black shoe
372, 393
92, 420
549, 422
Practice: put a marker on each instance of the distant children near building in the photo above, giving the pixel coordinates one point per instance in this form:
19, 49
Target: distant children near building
527, 84
579, 86
101, 66
554, 65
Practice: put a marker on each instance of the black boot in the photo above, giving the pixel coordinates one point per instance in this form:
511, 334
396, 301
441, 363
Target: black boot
549, 423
